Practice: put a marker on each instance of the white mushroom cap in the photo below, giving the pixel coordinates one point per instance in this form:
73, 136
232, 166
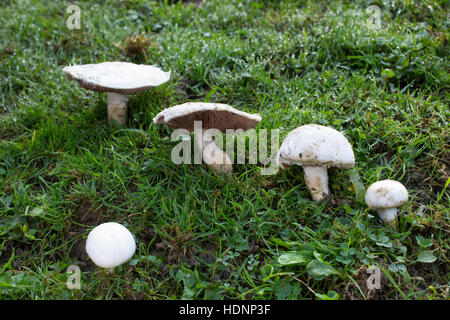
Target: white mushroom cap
110, 244
217, 116
386, 194
117, 77
316, 145
213, 115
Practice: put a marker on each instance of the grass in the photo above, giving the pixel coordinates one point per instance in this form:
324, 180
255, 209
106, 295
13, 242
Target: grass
199, 235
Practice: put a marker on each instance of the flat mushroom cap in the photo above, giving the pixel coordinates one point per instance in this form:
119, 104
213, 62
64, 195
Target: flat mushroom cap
386, 194
316, 145
110, 244
213, 116
117, 77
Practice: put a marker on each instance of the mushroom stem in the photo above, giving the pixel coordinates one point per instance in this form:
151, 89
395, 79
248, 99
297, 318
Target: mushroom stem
388, 215
316, 178
117, 108
212, 155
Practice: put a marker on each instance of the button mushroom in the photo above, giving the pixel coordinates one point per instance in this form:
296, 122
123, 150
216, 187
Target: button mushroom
212, 116
110, 244
386, 196
117, 79
316, 148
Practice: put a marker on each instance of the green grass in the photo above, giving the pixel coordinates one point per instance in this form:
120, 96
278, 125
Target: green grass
199, 235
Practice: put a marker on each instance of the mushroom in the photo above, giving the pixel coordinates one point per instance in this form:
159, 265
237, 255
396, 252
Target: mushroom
316, 148
386, 196
110, 244
118, 79
212, 116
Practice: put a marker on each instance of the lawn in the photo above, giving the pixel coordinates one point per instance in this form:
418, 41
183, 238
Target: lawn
202, 235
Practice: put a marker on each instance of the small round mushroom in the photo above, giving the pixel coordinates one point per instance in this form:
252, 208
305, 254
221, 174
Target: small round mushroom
118, 79
110, 244
316, 148
212, 116
386, 196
